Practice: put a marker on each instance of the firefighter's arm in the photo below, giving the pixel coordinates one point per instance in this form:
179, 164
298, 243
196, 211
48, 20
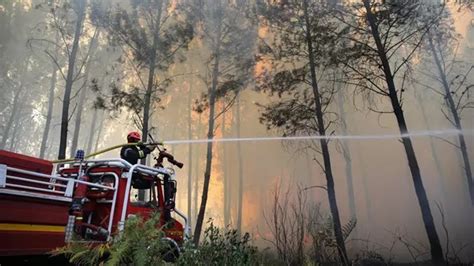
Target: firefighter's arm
150, 148
132, 155
145, 150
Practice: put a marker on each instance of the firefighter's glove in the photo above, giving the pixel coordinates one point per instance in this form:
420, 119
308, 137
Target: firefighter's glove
151, 147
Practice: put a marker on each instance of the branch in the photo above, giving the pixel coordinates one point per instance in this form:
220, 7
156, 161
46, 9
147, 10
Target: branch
135, 68
55, 61
408, 57
443, 223
226, 108
447, 117
429, 87
85, 60
364, 77
379, 112
61, 31
447, 141
311, 187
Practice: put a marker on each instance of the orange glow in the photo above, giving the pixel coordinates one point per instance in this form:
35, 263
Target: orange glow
215, 205
262, 31
251, 210
172, 6
262, 67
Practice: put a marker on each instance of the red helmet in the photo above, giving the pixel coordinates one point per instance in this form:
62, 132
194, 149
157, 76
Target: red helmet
134, 136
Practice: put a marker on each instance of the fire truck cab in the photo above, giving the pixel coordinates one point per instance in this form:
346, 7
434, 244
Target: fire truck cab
42, 209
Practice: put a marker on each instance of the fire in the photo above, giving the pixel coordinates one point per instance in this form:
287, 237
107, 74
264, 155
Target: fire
251, 210
215, 204
261, 67
263, 31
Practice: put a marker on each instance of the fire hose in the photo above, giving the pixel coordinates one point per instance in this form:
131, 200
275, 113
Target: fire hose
107, 150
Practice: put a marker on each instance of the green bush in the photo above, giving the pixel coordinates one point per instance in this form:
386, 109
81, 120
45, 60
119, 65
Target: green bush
80, 253
220, 247
139, 244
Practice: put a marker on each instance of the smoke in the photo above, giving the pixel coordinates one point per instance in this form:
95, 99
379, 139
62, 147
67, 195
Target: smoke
385, 202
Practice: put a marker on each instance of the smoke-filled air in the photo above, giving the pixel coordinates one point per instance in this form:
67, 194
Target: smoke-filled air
312, 132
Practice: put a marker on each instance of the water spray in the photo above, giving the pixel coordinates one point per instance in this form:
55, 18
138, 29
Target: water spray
413, 134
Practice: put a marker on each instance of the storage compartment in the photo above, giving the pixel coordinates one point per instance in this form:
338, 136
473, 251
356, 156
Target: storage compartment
24, 162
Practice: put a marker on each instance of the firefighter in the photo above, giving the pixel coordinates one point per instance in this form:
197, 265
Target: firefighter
133, 153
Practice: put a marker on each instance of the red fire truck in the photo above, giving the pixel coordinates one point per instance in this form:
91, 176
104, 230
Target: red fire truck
42, 204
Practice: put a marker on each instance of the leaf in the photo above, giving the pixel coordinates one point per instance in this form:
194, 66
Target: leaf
348, 228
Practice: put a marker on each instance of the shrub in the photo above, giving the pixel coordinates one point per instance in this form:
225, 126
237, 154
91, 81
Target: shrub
220, 247
139, 244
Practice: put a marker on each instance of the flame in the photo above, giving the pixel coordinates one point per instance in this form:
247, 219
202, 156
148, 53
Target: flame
261, 67
215, 204
263, 31
251, 209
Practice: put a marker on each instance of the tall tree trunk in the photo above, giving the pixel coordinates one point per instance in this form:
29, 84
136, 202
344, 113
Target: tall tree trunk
457, 120
16, 127
15, 107
324, 143
97, 116
99, 132
150, 85
82, 96
434, 154
91, 131
240, 166
363, 174
226, 178
365, 187
347, 155
16, 136
49, 115
210, 135
151, 75
78, 120
70, 79
196, 172
436, 250
190, 151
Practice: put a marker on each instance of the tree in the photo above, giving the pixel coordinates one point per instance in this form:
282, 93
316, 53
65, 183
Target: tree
190, 149
226, 174
80, 10
19, 69
92, 129
152, 35
300, 50
197, 170
437, 161
49, 114
377, 31
58, 36
452, 74
84, 90
240, 168
13, 114
346, 152
227, 36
